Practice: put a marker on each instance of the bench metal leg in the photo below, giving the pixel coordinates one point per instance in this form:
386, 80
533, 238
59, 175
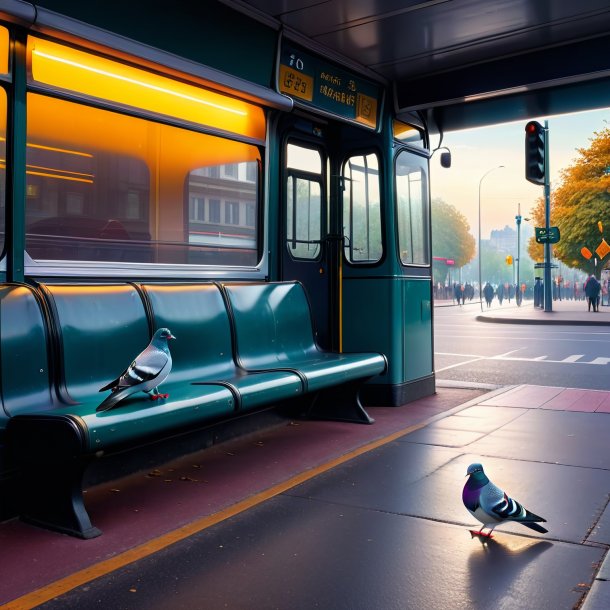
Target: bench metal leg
340, 403
52, 498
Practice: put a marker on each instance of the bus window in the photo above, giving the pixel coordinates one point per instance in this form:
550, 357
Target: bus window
103, 186
412, 209
304, 202
362, 209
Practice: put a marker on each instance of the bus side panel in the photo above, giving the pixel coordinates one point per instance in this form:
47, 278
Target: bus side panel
392, 316
233, 43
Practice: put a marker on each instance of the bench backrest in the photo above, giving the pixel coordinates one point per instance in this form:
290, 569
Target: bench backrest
272, 322
198, 318
24, 362
100, 330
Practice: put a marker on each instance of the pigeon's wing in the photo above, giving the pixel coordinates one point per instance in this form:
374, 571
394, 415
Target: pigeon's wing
490, 498
146, 367
499, 504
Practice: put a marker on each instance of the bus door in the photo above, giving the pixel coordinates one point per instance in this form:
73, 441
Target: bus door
307, 249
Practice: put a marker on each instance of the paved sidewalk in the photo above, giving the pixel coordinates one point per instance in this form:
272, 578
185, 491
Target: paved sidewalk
377, 525
563, 312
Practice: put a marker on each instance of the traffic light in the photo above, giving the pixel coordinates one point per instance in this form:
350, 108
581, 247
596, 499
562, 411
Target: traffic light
535, 162
509, 260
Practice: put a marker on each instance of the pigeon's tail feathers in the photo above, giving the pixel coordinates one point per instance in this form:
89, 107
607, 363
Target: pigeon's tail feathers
111, 401
110, 385
535, 526
530, 516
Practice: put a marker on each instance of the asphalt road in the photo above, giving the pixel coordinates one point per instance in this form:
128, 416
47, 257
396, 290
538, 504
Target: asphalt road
503, 354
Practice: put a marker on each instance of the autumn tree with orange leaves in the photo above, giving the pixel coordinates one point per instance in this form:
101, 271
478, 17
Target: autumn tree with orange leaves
580, 207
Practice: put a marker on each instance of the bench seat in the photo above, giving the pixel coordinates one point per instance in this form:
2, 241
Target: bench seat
203, 352
274, 331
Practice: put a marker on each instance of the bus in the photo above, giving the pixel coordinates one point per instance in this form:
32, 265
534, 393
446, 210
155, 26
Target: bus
132, 155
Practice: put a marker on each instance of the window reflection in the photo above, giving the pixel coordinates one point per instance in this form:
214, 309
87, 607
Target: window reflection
222, 209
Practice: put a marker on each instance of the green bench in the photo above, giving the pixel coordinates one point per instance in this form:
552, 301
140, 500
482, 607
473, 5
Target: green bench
61, 343
95, 331
273, 331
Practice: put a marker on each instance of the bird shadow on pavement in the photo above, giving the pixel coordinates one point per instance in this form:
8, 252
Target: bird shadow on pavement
496, 565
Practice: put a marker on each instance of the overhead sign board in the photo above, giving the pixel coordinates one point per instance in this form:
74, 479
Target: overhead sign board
320, 84
544, 237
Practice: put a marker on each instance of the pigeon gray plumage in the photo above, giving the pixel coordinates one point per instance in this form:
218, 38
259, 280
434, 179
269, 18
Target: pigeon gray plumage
491, 506
144, 374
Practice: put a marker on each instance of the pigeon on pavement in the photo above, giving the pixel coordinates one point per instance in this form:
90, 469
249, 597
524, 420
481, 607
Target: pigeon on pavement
492, 506
144, 374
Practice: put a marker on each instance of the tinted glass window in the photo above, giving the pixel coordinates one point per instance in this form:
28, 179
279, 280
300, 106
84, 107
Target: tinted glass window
304, 221
412, 209
362, 209
102, 186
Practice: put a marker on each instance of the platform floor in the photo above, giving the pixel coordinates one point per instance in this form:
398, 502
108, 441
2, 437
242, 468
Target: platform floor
314, 514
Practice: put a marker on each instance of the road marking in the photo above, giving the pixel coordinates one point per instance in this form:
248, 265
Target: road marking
573, 359
452, 366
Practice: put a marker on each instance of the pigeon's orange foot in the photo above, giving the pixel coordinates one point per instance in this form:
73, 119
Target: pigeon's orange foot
163, 395
480, 533
154, 396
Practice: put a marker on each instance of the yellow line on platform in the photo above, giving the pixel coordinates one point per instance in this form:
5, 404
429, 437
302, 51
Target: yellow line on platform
59, 587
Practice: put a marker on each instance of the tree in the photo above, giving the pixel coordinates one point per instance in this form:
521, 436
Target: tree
451, 236
580, 206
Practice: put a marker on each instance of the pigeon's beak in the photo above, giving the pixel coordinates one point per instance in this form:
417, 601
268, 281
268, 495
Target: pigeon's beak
171, 337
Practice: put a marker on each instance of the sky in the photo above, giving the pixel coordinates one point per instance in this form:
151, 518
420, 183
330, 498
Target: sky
478, 151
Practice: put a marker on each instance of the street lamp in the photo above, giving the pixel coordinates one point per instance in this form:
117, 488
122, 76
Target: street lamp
480, 183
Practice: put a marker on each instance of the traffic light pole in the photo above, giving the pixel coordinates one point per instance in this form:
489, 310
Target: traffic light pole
548, 291
518, 282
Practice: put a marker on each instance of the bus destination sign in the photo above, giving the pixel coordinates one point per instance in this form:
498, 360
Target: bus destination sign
322, 85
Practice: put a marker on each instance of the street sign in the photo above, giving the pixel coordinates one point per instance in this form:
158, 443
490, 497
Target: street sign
542, 237
544, 266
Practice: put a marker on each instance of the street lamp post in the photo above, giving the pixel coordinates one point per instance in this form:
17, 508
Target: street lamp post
480, 183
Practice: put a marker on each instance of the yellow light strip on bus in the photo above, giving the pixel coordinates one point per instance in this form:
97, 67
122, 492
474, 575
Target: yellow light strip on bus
71, 69
55, 149
136, 82
58, 177
60, 171
61, 150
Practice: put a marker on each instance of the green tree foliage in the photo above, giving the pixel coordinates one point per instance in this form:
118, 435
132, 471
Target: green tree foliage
579, 203
451, 236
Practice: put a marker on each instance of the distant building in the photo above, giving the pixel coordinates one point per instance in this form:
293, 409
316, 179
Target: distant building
504, 240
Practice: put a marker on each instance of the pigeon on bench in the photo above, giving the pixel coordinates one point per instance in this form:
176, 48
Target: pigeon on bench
144, 374
492, 506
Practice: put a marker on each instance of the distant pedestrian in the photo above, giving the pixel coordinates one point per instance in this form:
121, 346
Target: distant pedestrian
488, 291
592, 289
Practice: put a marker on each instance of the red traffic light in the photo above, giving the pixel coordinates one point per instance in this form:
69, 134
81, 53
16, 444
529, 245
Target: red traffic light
535, 145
